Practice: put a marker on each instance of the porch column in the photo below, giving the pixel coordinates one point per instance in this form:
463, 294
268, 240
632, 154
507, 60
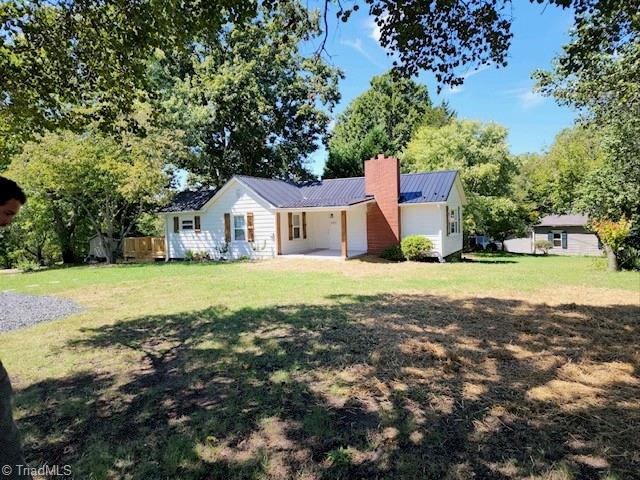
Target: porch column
343, 216
278, 239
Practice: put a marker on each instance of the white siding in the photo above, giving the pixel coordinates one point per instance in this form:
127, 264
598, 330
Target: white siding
452, 243
519, 245
357, 229
296, 245
234, 199
324, 231
422, 219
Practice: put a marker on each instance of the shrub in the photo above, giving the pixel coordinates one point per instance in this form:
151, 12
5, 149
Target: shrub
26, 265
202, 256
542, 245
189, 256
393, 254
416, 247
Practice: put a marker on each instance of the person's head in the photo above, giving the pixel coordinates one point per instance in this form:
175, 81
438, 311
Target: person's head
11, 199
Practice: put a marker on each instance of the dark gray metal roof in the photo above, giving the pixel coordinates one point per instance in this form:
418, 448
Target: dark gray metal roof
572, 220
426, 187
189, 200
414, 188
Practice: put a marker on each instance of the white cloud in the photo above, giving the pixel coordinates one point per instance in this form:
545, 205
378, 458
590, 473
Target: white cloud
459, 88
374, 28
528, 98
358, 47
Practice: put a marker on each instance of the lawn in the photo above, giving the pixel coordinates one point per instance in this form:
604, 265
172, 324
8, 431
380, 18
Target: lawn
506, 367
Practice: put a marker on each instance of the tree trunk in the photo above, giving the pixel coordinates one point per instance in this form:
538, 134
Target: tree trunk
612, 260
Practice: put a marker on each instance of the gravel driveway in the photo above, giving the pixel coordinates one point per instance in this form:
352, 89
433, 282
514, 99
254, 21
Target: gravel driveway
18, 310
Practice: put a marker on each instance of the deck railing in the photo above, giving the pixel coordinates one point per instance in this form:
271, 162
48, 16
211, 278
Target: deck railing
143, 248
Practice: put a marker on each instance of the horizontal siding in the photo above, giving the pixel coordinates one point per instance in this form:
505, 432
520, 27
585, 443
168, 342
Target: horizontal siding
235, 200
423, 220
579, 241
452, 243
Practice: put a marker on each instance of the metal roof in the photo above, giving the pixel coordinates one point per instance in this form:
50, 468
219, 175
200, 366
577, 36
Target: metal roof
426, 187
189, 200
414, 188
571, 220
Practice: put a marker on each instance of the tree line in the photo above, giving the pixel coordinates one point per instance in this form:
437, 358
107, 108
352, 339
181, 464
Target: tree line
102, 101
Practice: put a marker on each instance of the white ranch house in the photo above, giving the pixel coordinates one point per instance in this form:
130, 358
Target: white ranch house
263, 218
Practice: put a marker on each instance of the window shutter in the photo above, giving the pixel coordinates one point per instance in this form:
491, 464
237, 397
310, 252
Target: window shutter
447, 215
176, 224
227, 227
550, 237
459, 221
304, 224
196, 223
564, 240
290, 218
250, 237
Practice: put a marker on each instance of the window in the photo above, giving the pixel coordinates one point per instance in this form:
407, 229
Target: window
454, 222
238, 228
187, 224
557, 239
296, 226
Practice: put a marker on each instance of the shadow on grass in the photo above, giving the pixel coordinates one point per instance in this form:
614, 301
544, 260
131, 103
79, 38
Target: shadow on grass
387, 387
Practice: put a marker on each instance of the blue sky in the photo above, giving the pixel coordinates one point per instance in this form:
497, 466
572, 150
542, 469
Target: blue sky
492, 95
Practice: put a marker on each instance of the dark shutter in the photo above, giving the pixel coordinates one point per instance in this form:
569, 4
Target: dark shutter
250, 237
290, 218
550, 237
304, 224
176, 224
447, 215
227, 227
196, 222
564, 240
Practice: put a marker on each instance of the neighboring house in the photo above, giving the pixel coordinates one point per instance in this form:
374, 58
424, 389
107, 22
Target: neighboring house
568, 235
345, 217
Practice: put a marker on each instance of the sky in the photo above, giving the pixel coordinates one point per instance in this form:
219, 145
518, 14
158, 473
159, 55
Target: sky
502, 95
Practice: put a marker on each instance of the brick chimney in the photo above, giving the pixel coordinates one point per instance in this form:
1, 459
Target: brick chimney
382, 180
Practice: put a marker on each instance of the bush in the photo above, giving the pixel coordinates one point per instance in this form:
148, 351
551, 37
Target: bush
27, 265
202, 256
393, 254
543, 245
416, 247
189, 256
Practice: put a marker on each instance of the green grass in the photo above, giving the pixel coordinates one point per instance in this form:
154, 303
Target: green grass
333, 370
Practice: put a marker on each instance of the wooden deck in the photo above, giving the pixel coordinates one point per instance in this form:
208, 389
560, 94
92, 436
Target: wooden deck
143, 248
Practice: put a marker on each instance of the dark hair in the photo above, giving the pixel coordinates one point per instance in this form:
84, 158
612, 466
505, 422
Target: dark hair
10, 190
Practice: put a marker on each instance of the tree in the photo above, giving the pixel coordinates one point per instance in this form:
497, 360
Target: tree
90, 179
602, 82
481, 154
254, 104
478, 150
613, 236
551, 181
381, 120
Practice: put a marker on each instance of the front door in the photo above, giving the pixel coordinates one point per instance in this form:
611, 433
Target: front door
335, 235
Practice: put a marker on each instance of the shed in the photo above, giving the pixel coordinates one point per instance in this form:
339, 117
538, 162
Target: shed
96, 250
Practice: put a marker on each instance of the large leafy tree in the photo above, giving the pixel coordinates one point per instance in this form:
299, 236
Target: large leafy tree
481, 154
73, 62
251, 103
552, 180
602, 83
381, 120
93, 184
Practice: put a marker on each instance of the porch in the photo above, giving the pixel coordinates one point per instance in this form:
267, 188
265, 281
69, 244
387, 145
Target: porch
322, 233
